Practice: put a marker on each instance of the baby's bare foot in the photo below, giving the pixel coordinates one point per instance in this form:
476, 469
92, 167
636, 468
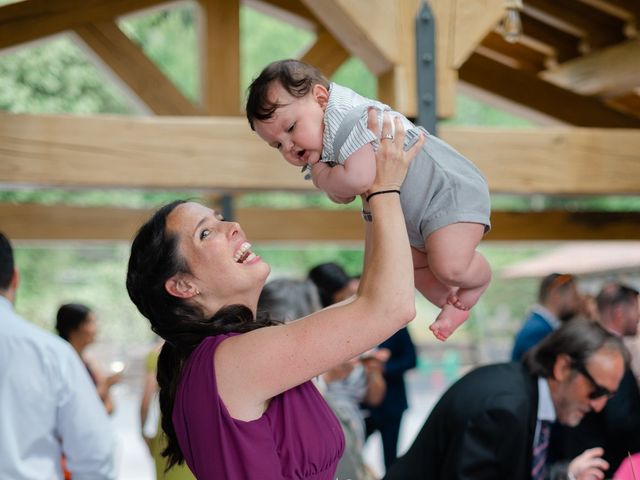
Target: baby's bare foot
448, 320
455, 301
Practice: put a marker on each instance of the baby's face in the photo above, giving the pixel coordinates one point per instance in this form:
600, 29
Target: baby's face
296, 127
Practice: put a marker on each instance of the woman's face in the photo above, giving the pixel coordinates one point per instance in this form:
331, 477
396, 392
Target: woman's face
222, 267
85, 334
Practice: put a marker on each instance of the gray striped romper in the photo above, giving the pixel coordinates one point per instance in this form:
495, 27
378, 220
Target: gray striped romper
441, 188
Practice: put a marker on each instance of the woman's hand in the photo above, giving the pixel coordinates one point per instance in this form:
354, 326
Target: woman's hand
392, 161
589, 465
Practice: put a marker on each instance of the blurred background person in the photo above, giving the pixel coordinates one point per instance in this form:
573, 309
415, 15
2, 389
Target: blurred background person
48, 406
150, 422
344, 386
76, 323
558, 302
617, 427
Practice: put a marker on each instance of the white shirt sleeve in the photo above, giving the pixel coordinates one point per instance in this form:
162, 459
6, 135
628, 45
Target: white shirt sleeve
83, 423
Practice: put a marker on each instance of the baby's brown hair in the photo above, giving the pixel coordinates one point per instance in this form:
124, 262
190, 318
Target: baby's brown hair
296, 77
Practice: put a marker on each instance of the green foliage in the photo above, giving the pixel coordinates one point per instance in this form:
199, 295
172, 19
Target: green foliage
55, 78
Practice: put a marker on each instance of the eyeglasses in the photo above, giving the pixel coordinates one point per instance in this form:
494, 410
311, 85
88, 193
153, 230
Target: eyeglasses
598, 390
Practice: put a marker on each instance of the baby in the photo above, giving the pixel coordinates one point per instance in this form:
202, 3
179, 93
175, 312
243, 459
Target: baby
322, 127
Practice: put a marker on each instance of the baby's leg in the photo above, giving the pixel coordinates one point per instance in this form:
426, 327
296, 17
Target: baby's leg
426, 283
453, 259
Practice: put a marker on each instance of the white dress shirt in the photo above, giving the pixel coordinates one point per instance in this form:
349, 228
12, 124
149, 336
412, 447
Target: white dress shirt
48, 407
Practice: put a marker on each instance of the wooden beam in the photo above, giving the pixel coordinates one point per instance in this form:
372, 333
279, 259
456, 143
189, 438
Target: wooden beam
524, 57
61, 222
292, 7
560, 225
326, 54
553, 160
223, 154
565, 45
220, 56
353, 23
33, 19
135, 69
597, 29
153, 152
608, 72
527, 89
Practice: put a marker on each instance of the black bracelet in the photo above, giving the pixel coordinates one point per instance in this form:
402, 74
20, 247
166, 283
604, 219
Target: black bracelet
381, 192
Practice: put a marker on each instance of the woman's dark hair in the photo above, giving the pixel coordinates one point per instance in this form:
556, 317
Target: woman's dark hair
69, 318
330, 278
154, 259
579, 339
6, 262
297, 78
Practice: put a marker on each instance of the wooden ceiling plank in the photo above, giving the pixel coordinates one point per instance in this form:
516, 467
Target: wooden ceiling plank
30, 20
294, 7
597, 29
530, 91
607, 72
222, 154
326, 53
565, 45
67, 223
624, 9
345, 22
135, 69
525, 57
219, 45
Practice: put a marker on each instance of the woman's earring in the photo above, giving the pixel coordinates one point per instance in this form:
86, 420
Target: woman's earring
197, 292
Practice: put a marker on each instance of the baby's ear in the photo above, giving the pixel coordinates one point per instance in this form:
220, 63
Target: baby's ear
321, 94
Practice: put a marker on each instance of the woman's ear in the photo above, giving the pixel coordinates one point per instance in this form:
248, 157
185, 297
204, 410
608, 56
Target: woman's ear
320, 94
180, 287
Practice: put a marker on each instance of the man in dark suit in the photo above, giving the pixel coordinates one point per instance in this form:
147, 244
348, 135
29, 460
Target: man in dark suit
558, 302
494, 422
617, 427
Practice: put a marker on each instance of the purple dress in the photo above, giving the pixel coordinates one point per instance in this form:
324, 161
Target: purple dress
298, 436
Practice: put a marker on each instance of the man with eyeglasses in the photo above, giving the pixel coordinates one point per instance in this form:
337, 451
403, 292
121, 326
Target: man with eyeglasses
558, 302
494, 422
616, 429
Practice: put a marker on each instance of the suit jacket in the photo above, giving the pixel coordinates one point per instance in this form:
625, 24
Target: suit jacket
481, 429
616, 428
403, 358
535, 328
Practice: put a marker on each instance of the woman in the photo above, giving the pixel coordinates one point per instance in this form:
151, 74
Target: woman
76, 323
235, 390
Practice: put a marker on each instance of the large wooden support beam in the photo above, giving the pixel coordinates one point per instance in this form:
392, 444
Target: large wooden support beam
527, 89
33, 19
59, 222
326, 54
135, 69
607, 72
222, 153
220, 56
553, 160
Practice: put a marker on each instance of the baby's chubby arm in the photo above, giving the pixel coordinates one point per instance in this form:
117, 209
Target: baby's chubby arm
352, 178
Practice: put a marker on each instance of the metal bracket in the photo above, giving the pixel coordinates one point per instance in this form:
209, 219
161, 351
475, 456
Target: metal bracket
426, 68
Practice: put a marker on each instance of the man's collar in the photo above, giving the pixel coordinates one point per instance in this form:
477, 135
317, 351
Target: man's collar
545, 313
546, 410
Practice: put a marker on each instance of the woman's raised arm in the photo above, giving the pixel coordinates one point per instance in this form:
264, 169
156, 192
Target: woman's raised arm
285, 356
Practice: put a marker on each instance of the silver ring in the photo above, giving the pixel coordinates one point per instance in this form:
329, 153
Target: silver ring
388, 136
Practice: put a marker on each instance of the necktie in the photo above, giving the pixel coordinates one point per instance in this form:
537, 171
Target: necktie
540, 450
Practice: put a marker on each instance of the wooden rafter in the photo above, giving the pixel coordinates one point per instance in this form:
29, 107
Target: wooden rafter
61, 222
527, 59
565, 45
34, 19
608, 72
223, 154
220, 56
528, 90
132, 66
596, 29
327, 54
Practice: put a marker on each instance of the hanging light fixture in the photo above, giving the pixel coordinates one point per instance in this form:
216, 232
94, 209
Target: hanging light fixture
511, 24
